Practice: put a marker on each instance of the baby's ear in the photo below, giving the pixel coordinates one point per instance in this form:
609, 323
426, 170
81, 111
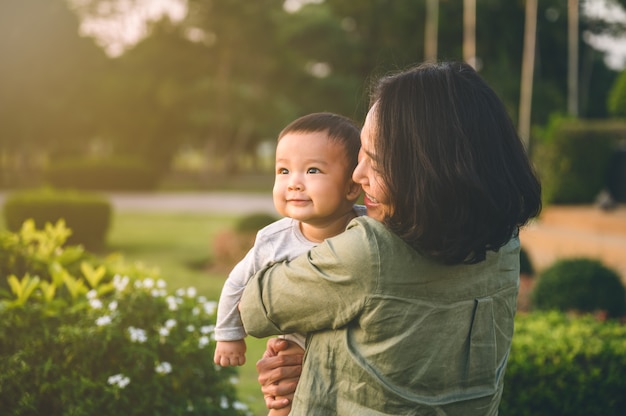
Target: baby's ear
354, 190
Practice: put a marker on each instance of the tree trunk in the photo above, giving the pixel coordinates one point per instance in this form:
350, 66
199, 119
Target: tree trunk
528, 65
431, 30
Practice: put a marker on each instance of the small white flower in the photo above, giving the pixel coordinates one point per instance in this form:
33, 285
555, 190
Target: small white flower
148, 283
224, 402
191, 292
138, 284
163, 331
240, 406
113, 305
207, 329
203, 341
95, 303
158, 293
103, 320
118, 380
92, 294
137, 335
123, 382
161, 284
172, 303
202, 299
180, 292
163, 368
195, 311
120, 282
170, 323
190, 328
209, 307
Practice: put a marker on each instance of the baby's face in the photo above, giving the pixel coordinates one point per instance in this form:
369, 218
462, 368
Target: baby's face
313, 179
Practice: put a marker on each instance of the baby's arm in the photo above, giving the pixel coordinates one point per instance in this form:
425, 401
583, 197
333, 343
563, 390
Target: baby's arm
230, 353
229, 332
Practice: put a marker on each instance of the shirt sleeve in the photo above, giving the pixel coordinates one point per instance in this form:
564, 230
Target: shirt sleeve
228, 325
325, 288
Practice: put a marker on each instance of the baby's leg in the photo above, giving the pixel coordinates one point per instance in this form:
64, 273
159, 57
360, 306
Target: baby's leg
293, 349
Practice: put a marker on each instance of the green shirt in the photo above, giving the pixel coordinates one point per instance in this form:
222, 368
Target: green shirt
390, 331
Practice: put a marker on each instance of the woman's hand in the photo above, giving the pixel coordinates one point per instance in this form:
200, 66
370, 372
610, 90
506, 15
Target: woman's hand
279, 373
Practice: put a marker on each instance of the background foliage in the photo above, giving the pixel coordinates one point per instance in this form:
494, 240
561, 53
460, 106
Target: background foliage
231, 74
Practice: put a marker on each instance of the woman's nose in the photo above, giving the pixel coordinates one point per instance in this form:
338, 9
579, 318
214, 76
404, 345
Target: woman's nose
357, 174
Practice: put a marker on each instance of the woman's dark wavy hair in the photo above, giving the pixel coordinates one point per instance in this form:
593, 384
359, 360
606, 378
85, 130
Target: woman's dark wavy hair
457, 173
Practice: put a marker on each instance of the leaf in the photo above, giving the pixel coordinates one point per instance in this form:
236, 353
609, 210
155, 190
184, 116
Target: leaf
74, 286
22, 289
93, 276
48, 290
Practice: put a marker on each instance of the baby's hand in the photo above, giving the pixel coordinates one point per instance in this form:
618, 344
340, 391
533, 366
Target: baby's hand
230, 353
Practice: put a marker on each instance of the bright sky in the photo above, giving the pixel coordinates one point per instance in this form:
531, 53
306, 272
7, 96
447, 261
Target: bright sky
129, 25
615, 47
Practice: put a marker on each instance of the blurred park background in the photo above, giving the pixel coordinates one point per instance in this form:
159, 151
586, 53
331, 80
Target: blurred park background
180, 90
169, 109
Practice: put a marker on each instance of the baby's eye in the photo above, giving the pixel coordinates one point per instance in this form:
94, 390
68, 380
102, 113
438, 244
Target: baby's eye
282, 171
313, 170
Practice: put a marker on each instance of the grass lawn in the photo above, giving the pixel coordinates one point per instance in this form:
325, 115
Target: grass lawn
179, 245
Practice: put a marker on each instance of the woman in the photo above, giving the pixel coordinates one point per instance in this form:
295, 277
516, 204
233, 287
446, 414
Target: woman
411, 309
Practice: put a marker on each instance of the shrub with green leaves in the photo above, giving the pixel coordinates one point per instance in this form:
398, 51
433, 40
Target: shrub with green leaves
574, 157
254, 222
231, 245
525, 265
565, 365
616, 103
580, 284
102, 337
87, 215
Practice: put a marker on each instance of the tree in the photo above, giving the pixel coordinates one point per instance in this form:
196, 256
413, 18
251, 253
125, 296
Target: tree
151, 95
48, 75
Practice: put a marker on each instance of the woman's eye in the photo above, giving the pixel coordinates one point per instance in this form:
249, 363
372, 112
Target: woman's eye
313, 170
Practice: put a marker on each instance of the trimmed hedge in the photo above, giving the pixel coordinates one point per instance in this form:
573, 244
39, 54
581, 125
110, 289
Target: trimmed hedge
115, 174
231, 245
580, 284
574, 159
565, 365
87, 215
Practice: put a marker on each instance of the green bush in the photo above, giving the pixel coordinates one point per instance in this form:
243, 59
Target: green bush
525, 265
254, 222
106, 340
231, 245
580, 284
565, 365
573, 160
617, 97
114, 174
87, 215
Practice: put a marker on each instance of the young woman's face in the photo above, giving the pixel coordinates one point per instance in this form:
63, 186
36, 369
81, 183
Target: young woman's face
313, 182
366, 174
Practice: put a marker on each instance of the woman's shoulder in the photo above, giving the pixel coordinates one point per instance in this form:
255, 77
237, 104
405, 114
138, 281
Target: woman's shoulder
369, 225
365, 231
